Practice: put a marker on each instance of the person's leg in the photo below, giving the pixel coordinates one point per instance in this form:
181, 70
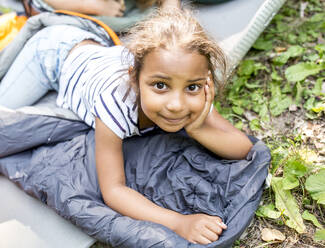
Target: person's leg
25, 82
37, 68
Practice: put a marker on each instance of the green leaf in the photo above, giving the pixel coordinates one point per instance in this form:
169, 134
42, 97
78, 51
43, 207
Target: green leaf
317, 90
321, 49
239, 125
263, 113
284, 201
315, 185
299, 92
300, 71
275, 76
319, 107
254, 125
268, 211
263, 44
278, 155
278, 106
290, 182
320, 235
296, 167
293, 51
238, 110
246, 68
318, 17
309, 104
308, 216
279, 102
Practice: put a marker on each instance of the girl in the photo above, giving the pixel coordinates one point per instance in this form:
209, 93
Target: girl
164, 78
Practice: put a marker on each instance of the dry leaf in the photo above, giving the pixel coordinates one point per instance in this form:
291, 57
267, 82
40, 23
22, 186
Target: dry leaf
272, 235
280, 49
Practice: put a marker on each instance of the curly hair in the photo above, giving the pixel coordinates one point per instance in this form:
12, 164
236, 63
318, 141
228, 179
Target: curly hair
170, 28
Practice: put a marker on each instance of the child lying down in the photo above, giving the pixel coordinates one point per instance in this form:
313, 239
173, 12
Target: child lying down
164, 77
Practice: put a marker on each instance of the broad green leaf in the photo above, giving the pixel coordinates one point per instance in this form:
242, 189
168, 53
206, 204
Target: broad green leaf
278, 155
320, 235
317, 90
279, 102
239, 125
238, 110
254, 125
253, 85
268, 211
302, 70
284, 201
309, 104
318, 17
308, 216
299, 92
279, 105
315, 185
246, 68
275, 76
293, 51
290, 182
263, 44
238, 83
311, 57
321, 49
263, 113
296, 167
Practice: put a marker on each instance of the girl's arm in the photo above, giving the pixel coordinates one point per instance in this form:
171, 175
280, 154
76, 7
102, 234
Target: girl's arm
198, 228
90, 7
216, 133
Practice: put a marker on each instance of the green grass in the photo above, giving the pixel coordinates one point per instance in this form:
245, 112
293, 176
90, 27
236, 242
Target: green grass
277, 93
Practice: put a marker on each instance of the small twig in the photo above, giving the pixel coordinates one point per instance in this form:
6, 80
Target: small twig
268, 243
303, 6
320, 244
321, 212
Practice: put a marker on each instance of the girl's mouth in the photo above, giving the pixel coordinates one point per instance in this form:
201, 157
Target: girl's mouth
174, 120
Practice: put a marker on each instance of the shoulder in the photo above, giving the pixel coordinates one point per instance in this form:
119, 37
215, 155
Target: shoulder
117, 108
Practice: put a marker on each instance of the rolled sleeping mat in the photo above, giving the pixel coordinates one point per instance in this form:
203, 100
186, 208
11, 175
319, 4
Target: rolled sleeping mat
237, 24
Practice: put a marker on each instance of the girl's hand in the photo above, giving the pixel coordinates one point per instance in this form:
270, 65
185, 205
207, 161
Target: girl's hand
199, 228
209, 96
111, 7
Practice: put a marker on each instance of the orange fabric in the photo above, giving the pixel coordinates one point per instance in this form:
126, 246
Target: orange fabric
111, 33
10, 24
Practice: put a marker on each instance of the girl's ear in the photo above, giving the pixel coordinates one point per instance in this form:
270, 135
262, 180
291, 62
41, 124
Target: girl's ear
210, 76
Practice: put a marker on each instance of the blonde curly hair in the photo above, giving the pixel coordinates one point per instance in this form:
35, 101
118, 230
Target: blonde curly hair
169, 28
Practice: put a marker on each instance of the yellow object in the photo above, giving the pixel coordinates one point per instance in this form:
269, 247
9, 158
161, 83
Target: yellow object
10, 24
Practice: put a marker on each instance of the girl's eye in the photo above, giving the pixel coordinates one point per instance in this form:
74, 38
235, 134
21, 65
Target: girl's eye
193, 88
160, 86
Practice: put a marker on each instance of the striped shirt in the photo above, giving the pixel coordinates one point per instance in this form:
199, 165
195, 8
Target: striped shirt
94, 82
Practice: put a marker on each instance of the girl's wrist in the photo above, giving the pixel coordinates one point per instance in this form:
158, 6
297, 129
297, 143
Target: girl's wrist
174, 220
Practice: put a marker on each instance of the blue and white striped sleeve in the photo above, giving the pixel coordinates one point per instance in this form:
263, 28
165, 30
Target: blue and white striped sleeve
110, 110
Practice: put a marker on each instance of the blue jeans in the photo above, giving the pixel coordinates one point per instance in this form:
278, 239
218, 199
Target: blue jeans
37, 68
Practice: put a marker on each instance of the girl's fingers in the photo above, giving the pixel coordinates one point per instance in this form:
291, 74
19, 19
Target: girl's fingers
210, 234
214, 227
202, 240
222, 225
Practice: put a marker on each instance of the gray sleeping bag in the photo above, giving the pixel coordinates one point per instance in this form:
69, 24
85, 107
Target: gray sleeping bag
53, 160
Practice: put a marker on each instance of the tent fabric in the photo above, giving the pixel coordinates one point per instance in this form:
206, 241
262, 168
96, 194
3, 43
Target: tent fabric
53, 160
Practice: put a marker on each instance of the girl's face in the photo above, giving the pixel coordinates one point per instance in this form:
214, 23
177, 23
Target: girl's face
171, 87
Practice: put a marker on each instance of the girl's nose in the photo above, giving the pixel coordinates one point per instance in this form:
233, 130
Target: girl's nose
175, 103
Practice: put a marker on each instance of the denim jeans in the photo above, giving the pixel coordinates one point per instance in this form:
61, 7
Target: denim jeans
37, 68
